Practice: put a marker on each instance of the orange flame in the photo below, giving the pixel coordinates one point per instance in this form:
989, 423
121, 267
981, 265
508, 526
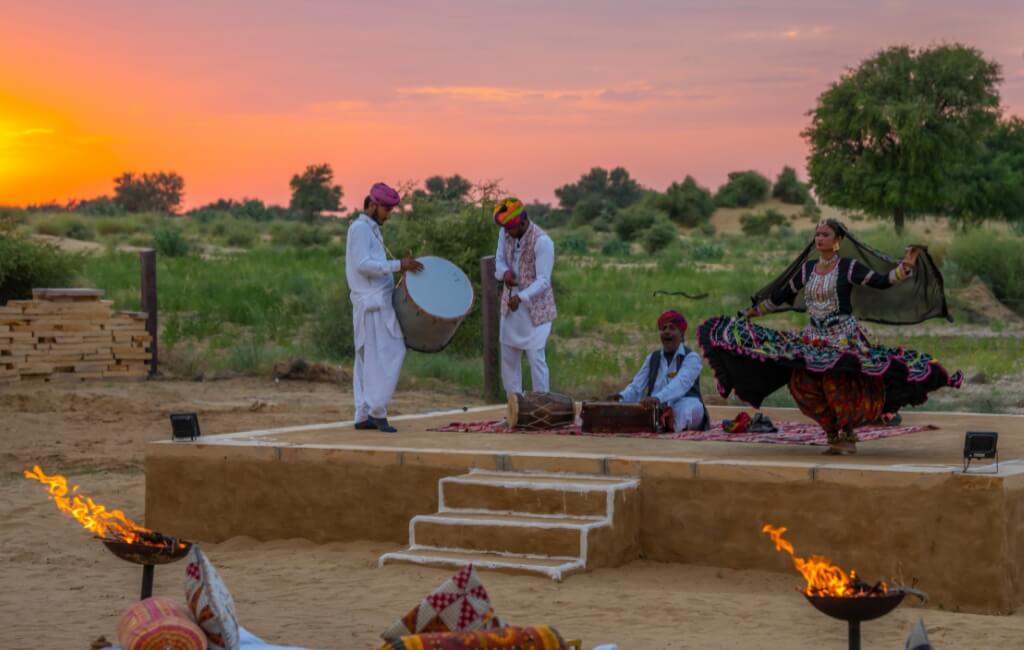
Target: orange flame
108, 524
823, 578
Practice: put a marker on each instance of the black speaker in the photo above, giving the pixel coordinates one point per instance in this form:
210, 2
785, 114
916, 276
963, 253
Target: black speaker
979, 445
184, 426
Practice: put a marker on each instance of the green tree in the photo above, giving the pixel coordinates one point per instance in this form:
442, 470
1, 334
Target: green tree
789, 189
599, 193
743, 189
159, 191
686, 203
312, 192
453, 188
992, 185
890, 137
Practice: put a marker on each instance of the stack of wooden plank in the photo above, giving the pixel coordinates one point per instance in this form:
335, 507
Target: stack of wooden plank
71, 335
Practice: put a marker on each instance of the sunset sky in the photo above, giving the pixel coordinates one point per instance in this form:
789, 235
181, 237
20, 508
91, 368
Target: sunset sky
238, 96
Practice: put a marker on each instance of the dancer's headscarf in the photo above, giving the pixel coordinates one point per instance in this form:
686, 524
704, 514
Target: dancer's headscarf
919, 298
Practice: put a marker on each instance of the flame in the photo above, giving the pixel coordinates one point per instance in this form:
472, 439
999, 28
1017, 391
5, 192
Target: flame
108, 524
823, 578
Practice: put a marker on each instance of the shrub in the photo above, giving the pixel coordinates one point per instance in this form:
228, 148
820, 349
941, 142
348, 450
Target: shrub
632, 221
615, 248
170, 242
686, 203
789, 189
25, 265
80, 230
659, 235
332, 327
574, 243
66, 226
706, 251
743, 189
761, 224
994, 259
116, 226
101, 206
300, 235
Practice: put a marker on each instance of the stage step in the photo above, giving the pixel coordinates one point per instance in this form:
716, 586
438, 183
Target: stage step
541, 523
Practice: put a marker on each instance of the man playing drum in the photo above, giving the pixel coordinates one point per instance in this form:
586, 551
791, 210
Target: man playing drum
380, 347
523, 263
670, 378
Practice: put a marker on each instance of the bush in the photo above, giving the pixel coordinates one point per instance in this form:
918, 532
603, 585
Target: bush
101, 206
66, 226
300, 235
80, 230
662, 233
789, 189
706, 251
25, 265
686, 203
707, 229
743, 189
632, 221
761, 224
574, 243
994, 259
170, 242
115, 226
332, 327
615, 248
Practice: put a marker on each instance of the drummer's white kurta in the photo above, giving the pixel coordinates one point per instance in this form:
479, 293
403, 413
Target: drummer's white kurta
431, 304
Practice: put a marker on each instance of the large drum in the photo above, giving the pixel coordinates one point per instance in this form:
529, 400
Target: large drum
540, 411
431, 304
618, 417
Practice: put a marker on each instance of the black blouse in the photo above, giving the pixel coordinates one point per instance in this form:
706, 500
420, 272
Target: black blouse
851, 272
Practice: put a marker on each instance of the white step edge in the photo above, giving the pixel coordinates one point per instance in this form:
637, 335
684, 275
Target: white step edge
513, 513
556, 572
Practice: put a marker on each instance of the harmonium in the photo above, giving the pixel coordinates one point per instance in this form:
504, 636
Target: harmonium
619, 417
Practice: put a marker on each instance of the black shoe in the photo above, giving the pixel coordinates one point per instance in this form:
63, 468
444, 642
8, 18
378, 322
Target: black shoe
382, 425
366, 424
761, 424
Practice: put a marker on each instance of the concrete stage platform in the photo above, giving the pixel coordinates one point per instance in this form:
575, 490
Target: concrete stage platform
901, 509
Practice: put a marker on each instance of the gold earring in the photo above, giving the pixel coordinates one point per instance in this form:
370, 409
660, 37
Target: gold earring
835, 247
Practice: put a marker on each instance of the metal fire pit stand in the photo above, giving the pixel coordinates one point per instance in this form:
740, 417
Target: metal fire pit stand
857, 609
149, 556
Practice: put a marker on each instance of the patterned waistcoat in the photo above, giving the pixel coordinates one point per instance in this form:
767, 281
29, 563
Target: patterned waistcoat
542, 307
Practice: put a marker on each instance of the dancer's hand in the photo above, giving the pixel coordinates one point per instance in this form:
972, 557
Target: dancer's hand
513, 303
509, 279
910, 256
411, 264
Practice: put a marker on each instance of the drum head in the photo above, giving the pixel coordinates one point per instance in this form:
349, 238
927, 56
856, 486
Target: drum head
441, 289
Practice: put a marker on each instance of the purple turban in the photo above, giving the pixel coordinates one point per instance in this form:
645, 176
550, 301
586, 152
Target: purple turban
384, 196
674, 317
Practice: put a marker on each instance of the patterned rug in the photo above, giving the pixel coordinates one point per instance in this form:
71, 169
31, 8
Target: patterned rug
789, 433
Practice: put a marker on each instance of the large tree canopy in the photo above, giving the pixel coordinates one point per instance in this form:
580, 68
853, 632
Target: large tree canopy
893, 137
313, 191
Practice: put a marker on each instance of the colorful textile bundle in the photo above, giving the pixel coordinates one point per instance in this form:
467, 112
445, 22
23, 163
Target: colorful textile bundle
460, 604
159, 624
210, 602
537, 637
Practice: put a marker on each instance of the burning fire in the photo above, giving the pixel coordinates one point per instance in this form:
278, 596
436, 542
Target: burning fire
108, 524
823, 578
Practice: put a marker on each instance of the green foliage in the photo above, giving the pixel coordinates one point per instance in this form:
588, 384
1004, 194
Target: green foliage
893, 136
65, 225
598, 193
630, 222
992, 184
761, 224
252, 209
573, 243
742, 190
686, 203
997, 260
332, 326
170, 242
299, 235
659, 235
313, 192
789, 189
116, 226
159, 191
101, 206
706, 251
25, 265
615, 248
453, 189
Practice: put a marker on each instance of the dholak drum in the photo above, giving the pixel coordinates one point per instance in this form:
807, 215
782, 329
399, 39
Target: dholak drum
431, 304
618, 417
540, 411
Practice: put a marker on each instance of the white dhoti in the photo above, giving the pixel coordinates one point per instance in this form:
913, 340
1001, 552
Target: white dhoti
512, 369
377, 366
687, 413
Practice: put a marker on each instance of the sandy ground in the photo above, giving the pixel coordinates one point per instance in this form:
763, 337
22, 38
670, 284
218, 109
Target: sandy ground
62, 589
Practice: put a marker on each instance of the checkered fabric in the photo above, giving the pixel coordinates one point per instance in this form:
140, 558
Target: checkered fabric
460, 604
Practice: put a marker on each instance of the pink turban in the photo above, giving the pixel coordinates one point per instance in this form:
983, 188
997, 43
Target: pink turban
384, 195
674, 317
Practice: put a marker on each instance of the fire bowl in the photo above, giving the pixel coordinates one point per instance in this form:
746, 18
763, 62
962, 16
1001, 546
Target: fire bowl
857, 608
148, 554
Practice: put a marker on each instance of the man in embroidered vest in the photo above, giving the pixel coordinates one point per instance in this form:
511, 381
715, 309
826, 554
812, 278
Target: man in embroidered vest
523, 263
379, 343
671, 377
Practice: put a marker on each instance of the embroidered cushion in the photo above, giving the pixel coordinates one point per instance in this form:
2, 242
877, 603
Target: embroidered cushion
460, 604
157, 624
210, 602
538, 637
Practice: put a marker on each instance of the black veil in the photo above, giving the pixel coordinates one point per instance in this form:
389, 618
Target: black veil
920, 297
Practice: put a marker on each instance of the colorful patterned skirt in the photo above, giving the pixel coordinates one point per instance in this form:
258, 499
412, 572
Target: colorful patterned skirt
755, 361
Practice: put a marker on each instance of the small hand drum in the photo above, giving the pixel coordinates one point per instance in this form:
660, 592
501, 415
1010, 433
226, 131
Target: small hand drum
540, 411
619, 417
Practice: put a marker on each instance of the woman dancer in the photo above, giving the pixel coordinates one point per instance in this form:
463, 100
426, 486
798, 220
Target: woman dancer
836, 376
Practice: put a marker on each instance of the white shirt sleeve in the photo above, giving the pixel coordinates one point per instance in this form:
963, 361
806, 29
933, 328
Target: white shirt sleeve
545, 264
635, 391
499, 257
679, 385
366, 262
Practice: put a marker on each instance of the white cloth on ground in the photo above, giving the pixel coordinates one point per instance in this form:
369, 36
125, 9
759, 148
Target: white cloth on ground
688, 412
379, 343
517, 330
512, 369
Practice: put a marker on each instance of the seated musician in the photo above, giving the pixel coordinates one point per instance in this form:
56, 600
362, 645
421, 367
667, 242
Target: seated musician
670, 378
